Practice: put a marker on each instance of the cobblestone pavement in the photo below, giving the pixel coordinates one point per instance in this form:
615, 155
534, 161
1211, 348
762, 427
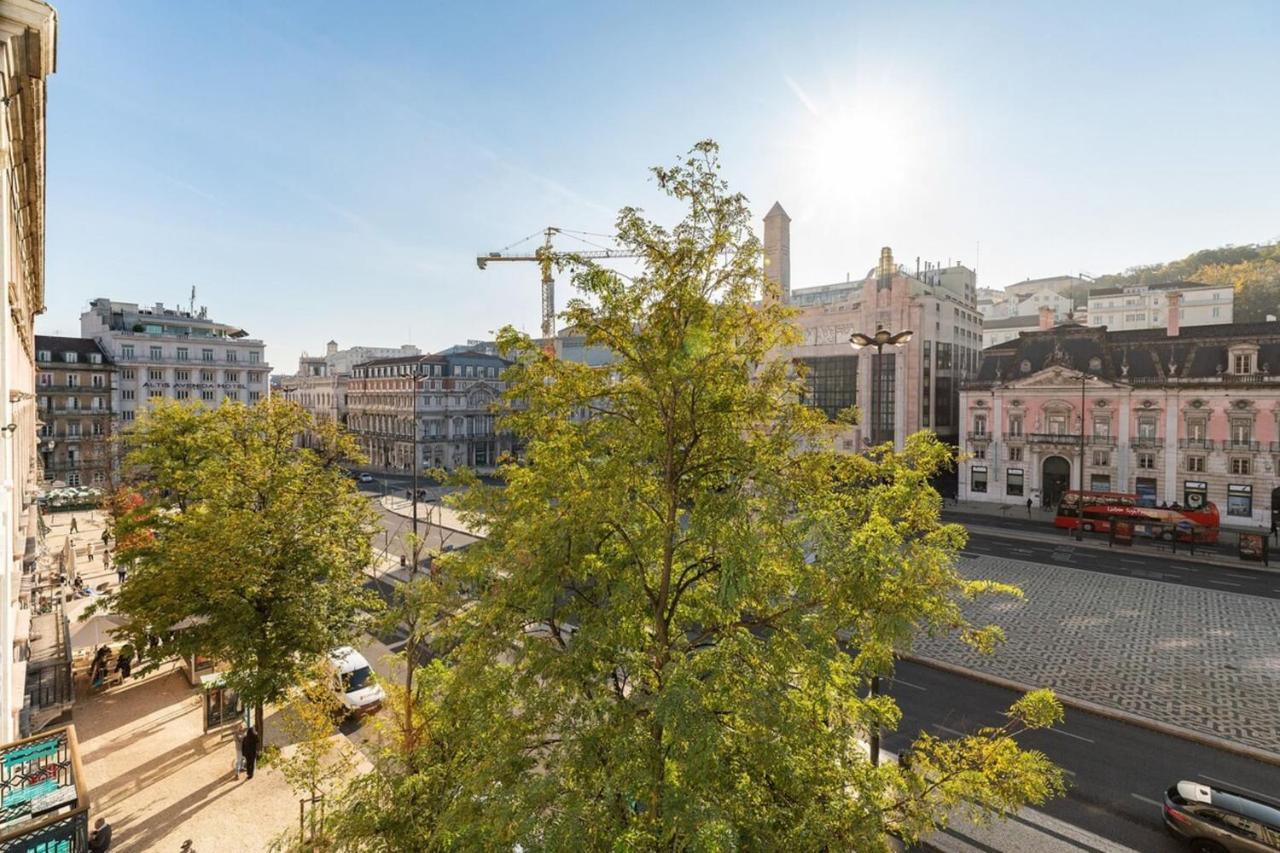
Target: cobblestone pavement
1201, 659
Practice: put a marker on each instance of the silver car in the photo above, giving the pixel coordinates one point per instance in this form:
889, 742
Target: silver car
1215, 820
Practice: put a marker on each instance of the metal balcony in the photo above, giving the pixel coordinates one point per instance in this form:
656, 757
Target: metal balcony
1055, 438
1235, 444
1147, 441
1102, 441
1196, 443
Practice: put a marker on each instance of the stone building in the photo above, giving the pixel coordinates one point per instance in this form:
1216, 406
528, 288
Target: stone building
169, 353
904, 389
75, 386
1173, 415
450, 396
1146, 306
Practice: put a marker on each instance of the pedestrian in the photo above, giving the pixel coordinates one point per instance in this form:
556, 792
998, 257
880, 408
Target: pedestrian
237, 762
100, 840
121, 571
74, 529
1028, 507
186, 847
106, 538
249, 748
125, 660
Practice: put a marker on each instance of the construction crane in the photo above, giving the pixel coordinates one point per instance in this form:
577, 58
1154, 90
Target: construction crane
545, 257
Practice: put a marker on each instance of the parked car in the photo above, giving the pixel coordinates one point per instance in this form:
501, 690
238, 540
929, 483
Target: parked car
365, 477
1215, 820
354, 682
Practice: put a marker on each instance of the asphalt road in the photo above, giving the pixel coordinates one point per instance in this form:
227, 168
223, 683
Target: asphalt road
1117, 773
1157, 566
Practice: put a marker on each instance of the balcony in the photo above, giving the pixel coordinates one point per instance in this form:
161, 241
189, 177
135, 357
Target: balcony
1196, 443
979, 437
1056, 438
1146, 441
1275, 447
1102, 441
1241, 444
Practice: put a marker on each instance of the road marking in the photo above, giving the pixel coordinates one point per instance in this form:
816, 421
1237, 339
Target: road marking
1147, 800
1069, 734
940, 727
1223, 583
1234, 787
1130, 562
897, 680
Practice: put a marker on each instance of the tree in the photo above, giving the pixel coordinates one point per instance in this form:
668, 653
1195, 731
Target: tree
684, 590
256, 546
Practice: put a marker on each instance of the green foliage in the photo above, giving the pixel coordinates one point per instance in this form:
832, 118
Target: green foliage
251, 545
1253, 270
685, 592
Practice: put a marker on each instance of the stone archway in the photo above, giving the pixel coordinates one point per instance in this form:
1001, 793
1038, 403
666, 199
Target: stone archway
1055, 479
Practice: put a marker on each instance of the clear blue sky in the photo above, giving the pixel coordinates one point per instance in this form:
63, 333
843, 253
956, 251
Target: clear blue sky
317, 175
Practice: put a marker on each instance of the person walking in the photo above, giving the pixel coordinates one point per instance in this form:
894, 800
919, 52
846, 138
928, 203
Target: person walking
100, 840
74, 529
237, 763
249, 747
106, 538
1028, 507
121, 572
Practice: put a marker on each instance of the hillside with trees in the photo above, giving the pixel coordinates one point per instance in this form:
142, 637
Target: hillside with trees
1253, 270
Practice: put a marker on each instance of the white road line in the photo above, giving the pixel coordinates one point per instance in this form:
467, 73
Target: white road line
1147, 800
897, 680
1069, 734
1234, 787
1223, 583
940, 727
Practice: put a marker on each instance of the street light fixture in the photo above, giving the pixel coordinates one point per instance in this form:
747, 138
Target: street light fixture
881, 339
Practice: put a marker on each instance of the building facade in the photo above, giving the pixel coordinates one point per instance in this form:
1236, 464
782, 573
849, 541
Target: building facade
28, 34
1147, 306
1174, 415
75, 386
903, 389
443, 403
171, 354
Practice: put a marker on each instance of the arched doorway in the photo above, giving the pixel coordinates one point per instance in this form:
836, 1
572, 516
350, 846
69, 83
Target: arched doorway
1275, 507
1054, 479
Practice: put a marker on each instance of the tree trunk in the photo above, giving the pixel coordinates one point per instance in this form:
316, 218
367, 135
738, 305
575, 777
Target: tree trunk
257, 720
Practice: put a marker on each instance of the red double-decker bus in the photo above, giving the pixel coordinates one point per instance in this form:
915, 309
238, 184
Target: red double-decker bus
1094, 511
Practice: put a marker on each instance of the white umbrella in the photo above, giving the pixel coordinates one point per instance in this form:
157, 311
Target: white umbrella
95, 631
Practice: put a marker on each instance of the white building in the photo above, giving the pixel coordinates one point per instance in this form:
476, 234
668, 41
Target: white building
169, 353
320, 385
1068, 285
1145, 306
28, 33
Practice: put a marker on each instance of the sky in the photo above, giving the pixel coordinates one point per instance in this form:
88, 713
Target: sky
323, 170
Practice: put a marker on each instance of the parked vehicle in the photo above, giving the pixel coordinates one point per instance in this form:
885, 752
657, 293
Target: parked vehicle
1215, 820
365, 477
354, 682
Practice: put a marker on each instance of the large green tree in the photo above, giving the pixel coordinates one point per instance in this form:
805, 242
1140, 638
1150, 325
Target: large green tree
256, 545
684, 592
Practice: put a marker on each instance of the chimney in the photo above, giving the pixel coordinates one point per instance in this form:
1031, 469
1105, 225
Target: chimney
1046, 318
777, 250
331, 348
1175, 299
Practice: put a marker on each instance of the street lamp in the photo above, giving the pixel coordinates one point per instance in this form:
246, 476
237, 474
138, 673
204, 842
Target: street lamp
881, 339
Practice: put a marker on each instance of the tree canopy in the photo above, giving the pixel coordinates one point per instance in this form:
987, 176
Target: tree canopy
254, 547
685, 590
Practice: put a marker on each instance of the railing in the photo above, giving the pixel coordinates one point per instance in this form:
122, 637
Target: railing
236, 363
1239, 444
1222, 378
1055, 438
1275, 447
980, 436
1102, 441
1196, 443
1146, 441
74, 389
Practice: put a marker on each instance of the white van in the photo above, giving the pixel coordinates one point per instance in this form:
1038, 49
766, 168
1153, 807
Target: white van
354, 681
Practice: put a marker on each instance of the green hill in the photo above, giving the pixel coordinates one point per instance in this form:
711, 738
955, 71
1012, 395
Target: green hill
1253, 270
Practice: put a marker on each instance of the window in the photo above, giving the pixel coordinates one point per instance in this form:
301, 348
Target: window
231, 395
980, 452
1015, 425
1013, 480
97, 381
255, 396
70, 357
1100, 482
206, 355
1240, 500
926, 388
184, 354
254, 357
126, 415
1015, 454
206, 376
1146, 460
231, 355
126, 351
44, 355
944, 356
1242, 362
126, 393
831, 383
155, 375
182, 376
127, 373
73, 380
1102, 427
232, 376
1240, 465
1146, 429
1241, 433
1057, 423
73, 430
1195, 463
978, 478
182, 394
73, 477
1146, 489
156, 353
97, 428
882, 397
1196, 430
980, 425
1101, 458
207, 396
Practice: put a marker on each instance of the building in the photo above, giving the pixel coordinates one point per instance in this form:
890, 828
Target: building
341, 361
28, 35
450, 396
320, 385
75, 386
172, 354
911, 387
1174, 415
1145, 306
1073, 286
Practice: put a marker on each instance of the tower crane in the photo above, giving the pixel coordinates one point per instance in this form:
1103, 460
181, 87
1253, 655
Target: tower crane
545, 257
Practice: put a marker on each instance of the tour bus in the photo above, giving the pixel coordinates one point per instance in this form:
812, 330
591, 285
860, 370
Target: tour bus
1094, 511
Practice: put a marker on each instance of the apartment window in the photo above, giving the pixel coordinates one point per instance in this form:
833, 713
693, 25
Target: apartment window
155, 375
1147, 429
207, 396
1100, 482
1102, 427
1057, 424
127, 373
1196, 430
73, 430
97, 428
882, 397
979, 424
73, 477
255, 377
73, 380
1013, 481
70, 357
1195, 463
1015, 425
232, 375
231, 355
1241, 433
1015, 454
97, 404
126, 351
182, 394
255, 396
232, 395
1216, 312
156, 353
831, 383
44, 355
126, 415
1240, 500
184, 354
1242, 362
978, 478
96, 380
254, 356
206, 355
1147, 460
182, 376
1101, 458
126, 393
926, 385
1240, 465
206, 376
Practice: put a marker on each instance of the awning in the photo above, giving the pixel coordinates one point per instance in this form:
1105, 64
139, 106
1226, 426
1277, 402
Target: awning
97, 630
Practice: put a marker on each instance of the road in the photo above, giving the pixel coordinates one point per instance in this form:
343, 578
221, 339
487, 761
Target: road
1117, 773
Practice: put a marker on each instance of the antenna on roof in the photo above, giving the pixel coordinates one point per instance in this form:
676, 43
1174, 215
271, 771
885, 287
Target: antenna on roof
191, 306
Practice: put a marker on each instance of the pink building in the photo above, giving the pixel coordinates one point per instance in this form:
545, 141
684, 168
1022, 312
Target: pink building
1174, 415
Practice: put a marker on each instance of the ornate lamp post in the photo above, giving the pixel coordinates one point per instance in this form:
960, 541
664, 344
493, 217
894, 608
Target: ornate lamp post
879, 340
